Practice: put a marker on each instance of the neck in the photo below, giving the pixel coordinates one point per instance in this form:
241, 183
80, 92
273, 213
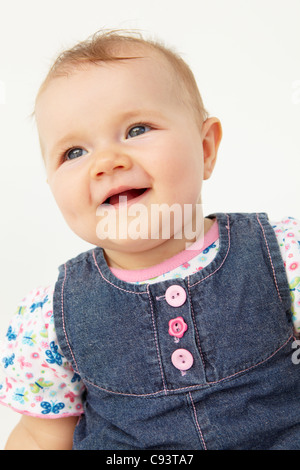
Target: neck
152, 256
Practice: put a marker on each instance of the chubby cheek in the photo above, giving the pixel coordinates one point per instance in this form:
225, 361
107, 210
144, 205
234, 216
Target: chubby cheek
68, 197
179, 174
75, 213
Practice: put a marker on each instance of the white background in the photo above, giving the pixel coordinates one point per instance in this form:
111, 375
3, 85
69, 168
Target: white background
245, 56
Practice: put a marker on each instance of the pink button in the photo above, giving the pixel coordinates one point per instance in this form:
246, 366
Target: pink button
182, 359
177, 327
175, 295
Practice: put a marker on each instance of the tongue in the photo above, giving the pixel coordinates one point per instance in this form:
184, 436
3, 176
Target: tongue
130, 194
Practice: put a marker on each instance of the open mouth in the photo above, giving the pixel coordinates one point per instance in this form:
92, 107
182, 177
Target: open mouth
129, 194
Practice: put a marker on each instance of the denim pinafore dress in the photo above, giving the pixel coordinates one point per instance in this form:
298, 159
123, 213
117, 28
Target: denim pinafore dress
203, 362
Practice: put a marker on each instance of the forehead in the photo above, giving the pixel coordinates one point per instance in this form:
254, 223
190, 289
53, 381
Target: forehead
105, 88
151, 76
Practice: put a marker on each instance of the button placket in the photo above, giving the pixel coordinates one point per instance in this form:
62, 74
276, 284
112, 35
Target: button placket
182, 359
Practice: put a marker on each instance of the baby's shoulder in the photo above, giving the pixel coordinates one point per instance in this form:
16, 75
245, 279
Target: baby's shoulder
286, 224
34, 311
31, 325
38, 297
287, 231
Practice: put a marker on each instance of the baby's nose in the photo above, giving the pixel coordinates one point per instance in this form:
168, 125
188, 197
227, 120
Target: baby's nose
108, 162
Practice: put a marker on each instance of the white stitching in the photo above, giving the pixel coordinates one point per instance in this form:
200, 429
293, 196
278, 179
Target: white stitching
269, 254
195, 325
104, 278
190, 387
197, 422
211, 274
156, 342
63, 318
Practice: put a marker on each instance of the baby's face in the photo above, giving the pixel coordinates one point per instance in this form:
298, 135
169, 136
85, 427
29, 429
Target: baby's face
116, 128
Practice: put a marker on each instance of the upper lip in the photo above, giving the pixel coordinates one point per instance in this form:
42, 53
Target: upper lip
120, 189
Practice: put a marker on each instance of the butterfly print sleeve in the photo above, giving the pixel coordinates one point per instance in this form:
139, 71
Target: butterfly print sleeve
35, 378
288, 236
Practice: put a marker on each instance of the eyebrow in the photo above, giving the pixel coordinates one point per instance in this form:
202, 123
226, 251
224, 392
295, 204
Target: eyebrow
63, 142
59, 145
144, 112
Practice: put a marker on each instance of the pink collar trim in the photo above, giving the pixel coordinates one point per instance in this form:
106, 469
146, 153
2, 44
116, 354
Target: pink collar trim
195, 249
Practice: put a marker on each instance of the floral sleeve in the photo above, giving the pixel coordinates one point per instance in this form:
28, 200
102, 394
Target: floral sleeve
35, 378
288, 237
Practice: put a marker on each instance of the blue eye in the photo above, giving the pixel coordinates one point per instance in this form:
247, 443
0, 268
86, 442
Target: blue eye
75, 153
138, 130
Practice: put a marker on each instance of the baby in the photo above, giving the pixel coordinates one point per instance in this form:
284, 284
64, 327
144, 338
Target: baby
175, 331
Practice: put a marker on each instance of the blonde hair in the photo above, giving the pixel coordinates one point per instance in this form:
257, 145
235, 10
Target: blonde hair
105, 46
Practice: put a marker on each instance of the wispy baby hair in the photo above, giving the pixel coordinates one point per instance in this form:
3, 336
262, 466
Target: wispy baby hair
114, 45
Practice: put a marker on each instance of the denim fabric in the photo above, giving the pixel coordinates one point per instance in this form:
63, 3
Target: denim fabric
242, 391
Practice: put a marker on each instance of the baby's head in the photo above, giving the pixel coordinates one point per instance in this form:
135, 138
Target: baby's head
120, 115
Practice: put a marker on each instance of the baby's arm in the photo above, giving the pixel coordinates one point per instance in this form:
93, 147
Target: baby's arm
36, 379
42, 434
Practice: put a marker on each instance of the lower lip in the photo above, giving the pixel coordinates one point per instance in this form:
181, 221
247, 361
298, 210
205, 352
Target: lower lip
121, 205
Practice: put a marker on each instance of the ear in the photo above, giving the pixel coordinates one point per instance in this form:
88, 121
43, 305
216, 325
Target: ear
211, 134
